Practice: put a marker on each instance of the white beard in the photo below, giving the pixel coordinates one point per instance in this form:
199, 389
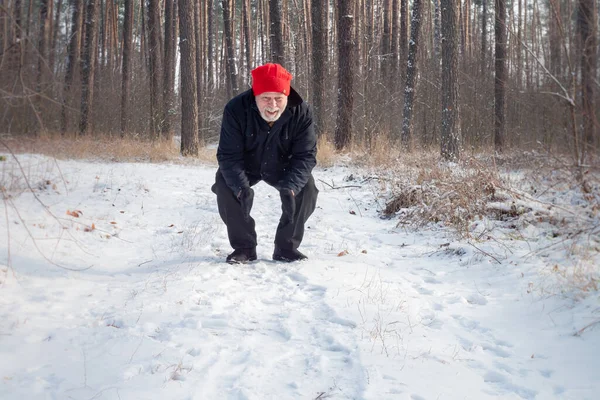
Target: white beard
271, 114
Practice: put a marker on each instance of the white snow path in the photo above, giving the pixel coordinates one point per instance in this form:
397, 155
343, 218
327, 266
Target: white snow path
158, 315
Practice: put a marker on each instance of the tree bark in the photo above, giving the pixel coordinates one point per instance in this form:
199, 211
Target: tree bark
276, 33
586, 26
450, 138
231, 76
127, 63
198, 52
88, 64
55, 30
500, 75
343, 129
411, 73
395, 40
43, 72
247, 33
169, 68
319, 65
437, 40
73, 60
211, 44
386, 41
154, 54
189, 96
483, 56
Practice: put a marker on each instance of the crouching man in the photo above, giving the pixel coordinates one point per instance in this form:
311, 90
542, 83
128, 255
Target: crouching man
267, 133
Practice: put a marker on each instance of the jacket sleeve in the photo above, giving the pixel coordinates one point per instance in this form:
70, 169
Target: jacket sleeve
304, 154
230, 153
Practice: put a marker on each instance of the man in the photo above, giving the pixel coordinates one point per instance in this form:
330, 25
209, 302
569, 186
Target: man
267, 133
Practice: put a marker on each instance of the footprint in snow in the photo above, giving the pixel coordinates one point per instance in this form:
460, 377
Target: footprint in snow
194, 352
215, 322
477, 299
503, 384
497, 351
546, 373
423, 291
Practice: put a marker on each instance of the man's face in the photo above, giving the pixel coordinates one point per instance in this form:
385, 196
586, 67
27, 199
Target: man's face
271, 105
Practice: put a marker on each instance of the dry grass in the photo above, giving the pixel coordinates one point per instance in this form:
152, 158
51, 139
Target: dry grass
133, 149
111, 149
451, 194
326, 153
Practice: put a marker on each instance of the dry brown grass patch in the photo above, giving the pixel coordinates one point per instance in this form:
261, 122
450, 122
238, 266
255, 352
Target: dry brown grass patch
433, 191
326, 153
116, 149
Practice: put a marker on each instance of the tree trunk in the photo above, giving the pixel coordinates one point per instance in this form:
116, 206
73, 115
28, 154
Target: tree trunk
127, 63
211, 44
198, 52
484, 18
73, 60
276, 34
319, 64
343, 129
437, 40
55, 34
369, 73
586, 26
43, 72
231, 76
395, 40
450, 138
411, 73
169, 68
155, 68
500, 75
467, 30
189, 95
386, 41
88, 64
247, 33
518, 45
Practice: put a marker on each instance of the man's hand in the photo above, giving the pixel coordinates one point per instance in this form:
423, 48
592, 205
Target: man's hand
246, 197
288, 205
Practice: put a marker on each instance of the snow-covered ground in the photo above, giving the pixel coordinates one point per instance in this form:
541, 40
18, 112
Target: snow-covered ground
132, 299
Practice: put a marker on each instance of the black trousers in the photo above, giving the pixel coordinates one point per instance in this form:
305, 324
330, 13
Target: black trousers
242, 233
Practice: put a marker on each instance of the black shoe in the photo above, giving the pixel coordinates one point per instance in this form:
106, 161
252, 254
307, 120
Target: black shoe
288, 255
242, 256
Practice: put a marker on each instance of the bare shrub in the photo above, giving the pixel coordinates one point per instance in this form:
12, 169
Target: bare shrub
451, 194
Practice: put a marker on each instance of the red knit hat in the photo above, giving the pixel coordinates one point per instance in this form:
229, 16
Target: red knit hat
271, 78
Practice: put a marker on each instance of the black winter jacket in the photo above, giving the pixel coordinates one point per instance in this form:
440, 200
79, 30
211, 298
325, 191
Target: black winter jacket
250, 150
